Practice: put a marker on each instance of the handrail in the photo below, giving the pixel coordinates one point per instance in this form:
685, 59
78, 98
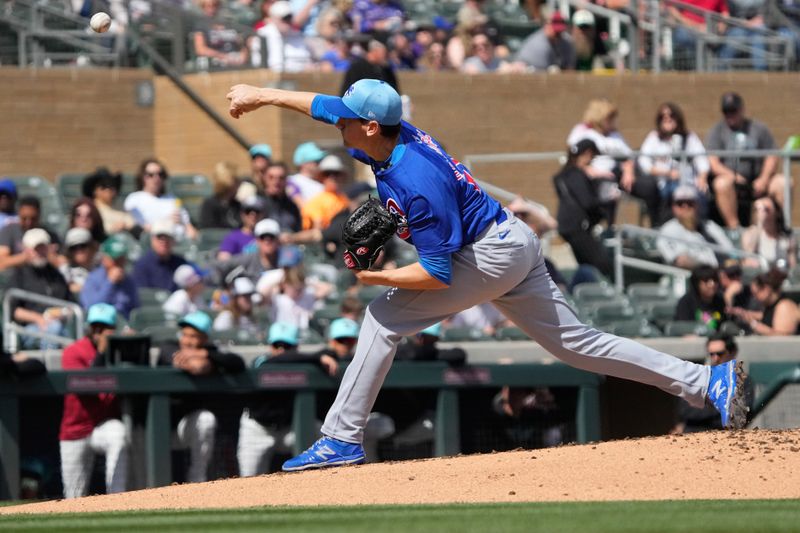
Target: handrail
788, 377
10, 329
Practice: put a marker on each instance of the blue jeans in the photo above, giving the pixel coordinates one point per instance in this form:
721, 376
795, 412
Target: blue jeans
747, 36
54, 327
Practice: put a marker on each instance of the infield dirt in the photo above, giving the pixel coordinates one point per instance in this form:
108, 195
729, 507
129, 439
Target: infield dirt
749, 464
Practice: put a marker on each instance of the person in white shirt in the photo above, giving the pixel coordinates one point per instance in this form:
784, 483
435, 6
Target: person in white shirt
688, 226
287, 50
304, 185
614, 165
674, 156
483, 317
239, 314
189, 297
151, 203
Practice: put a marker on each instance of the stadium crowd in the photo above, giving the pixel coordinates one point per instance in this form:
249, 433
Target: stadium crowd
255, 259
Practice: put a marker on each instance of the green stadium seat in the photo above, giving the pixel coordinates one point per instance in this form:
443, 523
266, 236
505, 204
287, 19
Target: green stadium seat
192, 190
679, 328
463, 334
69, 187
150, 297
369, 292
647, 292
159, 334
632, 328
209, 239
659, 312
52, 210
151, 316
309, 336
606, 312
236, 336
322, 318
593, 292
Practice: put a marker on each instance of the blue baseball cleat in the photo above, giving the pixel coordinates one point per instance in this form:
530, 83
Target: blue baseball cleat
326, 452
726, 392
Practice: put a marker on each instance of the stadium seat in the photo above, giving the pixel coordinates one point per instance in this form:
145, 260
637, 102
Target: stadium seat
640, 293
159, 334
659, 312
235, 336
606, 312
209, 239
369, 292
52, 211
462, 334
322, 318
679, 328
152, 316
511, 333
150, 297
633, 328
192, 190
309, 336
69, 188
593, 292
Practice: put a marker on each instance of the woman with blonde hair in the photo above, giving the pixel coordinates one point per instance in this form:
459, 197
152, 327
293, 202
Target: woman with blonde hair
222, 209
614, 167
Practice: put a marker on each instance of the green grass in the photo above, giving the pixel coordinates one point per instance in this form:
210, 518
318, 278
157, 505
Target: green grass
724, 516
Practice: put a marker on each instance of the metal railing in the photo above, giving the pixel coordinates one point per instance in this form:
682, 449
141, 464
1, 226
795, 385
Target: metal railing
11, 329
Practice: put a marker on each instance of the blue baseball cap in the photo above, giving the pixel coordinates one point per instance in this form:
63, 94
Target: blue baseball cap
102, 314
263, 150
368, 99
307, 153
197, 320
283, 332
289, 256
8, 186
434, 330
343, 328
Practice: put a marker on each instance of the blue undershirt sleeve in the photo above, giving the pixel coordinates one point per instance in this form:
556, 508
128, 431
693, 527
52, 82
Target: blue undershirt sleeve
318, 112
437, 266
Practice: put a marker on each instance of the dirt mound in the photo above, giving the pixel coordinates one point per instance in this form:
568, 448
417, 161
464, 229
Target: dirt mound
739, 465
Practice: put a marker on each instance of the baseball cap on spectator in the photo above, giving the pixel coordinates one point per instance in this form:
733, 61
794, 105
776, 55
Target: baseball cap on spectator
164, 226
101, 177
331, 163
8, 187
434, 330
186, 276
354, 190
283, 332
242, 287
252, 203
197, 320
77, 237
732, 269
583, 17
246, 190
261, 150
684, 192
267, 226
368, 99
114, 247
582, 146
102, 313
35, 237
280, 10
306, 152
731, 102
557, 21
289, 256
343, 328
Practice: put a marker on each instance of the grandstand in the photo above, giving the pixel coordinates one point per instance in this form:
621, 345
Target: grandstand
74, 101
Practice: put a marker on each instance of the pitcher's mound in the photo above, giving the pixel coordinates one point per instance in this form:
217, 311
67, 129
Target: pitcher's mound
719, 465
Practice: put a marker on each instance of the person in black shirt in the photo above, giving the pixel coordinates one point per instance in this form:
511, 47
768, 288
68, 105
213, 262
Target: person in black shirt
373, 65
278, 205
195, 424
580, 207
703, 302
222, 209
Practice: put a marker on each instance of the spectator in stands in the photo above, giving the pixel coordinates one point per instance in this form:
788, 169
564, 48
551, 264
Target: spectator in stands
549, 49
222, 209
533, 214
266, 423
721, 348
318, 211
216, 43
589, 47
737, 180
252, 264
686, 225
11, 249
91, 423
109, 283
434, 59
688, 23
352, 308
277, 203
663, 156
194, 423
374, 64
85, 215
38, 276
151, 202
239, 314
769, 237
751, 12
103, 187
264, 14
402, 54
423, 348
8, 202
81, 258
294, 300
156, 267
188, 298
615, 163
286, 48
243, 238
703, 302
484, 59
780, 315
534, 417
784, 17
377, 16
335, 56
580, 208
484, 318
305, 184
260, 160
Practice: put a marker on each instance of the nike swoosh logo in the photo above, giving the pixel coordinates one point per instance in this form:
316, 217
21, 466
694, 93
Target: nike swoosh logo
503, 235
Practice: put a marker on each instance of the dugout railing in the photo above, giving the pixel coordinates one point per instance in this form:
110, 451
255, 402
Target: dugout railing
158, 384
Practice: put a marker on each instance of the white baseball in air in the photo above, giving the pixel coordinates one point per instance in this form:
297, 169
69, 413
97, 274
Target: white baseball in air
100, 22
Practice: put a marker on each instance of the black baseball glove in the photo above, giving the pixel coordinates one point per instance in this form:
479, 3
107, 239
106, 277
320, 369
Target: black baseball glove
365, 233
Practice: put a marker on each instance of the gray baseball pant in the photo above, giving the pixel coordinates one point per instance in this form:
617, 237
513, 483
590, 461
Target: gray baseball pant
505, 266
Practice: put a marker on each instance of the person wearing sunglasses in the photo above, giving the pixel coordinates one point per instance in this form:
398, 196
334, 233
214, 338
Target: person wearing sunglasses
687, 225
81, 258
